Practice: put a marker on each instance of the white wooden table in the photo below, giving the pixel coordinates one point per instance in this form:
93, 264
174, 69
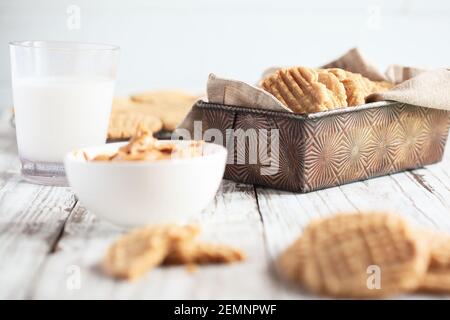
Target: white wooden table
50, 246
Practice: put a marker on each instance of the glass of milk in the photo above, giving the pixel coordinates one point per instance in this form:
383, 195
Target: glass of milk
62, 93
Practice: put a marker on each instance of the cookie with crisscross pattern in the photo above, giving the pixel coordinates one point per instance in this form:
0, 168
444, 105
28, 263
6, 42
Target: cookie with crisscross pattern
336, 255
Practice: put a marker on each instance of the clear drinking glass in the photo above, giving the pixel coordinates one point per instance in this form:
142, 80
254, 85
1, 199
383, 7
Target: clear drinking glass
62, 93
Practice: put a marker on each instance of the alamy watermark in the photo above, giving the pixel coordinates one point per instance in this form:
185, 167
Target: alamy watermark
73, 21
73, 280
374, 279
251, 146
374, 17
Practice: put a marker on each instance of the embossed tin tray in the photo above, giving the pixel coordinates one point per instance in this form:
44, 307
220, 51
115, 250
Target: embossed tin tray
329, 148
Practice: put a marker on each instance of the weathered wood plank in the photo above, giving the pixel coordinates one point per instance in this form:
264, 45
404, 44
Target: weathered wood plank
31, 218
424, 202
45, 240
8, 149
232, 218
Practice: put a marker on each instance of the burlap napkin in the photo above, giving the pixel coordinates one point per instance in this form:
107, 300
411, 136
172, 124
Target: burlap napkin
238, 93
429, 89
426, 88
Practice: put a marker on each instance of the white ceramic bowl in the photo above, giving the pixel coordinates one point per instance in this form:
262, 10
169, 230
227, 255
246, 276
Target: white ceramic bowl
139, 193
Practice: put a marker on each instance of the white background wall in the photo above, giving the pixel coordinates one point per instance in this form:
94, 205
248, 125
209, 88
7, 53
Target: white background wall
176, 43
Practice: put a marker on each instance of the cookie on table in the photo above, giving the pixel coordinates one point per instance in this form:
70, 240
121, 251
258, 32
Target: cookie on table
290, 263
338, 251
136, 253
202, 253
142, 249
437, 277
171, 106
439, 244
435, 281
169, 97
124, 120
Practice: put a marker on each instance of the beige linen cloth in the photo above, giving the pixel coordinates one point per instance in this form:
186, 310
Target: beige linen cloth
426, 88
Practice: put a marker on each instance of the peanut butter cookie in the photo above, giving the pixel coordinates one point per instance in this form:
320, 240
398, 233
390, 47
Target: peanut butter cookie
125, 117
299, 89
357, 87
141, 250
306, 90
171, 106
291, 262
334, 256
203, 253
436, 281
136, 253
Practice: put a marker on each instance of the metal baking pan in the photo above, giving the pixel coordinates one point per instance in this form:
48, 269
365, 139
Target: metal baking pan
303, 153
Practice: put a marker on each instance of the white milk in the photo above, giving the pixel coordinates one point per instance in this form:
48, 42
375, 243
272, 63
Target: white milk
57, 114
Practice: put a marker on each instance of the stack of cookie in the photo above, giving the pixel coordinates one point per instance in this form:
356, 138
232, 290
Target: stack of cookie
307, 90
367, 255
156, 110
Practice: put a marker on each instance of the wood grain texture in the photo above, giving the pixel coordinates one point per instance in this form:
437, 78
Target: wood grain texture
47, 239
31, 219
232, 218
286, 214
